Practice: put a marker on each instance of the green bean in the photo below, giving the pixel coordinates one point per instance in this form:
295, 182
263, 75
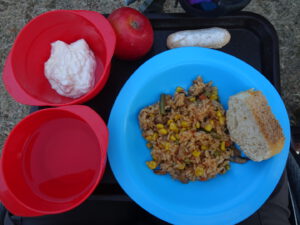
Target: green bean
162, 104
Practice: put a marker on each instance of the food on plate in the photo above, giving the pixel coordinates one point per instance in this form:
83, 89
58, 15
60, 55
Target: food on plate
210, 38
253, 126
187, 134
71, 68
134, 33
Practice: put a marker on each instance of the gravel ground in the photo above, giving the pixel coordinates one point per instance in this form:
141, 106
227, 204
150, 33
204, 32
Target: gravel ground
283, 14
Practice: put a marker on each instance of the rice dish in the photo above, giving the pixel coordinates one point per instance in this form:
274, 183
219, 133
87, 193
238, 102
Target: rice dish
187, 134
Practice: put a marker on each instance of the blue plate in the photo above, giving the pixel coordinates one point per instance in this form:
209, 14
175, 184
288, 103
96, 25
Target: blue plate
226, 199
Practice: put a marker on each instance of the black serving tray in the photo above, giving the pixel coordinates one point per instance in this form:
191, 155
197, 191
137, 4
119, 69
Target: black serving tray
253, 40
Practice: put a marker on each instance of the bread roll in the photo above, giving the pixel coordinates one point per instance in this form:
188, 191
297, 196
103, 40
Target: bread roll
214, 37
253, 126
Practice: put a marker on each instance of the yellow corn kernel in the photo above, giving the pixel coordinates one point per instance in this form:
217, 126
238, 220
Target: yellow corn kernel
169, 122
149, 145
222, 120
227, 167
154, 136
183, 129
177, 117
196, 153
184, 124
179, 89
222, 146
159, 126
199, 171
180, 166
212, 122
198, 125
167, 146
173, 127
149, 138
204, 147
177, 136
219, 114
151, 164
192, 99
172, 138
208, 127
213, 97
163, 131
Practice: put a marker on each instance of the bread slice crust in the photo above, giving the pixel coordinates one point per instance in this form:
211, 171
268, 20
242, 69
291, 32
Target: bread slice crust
269, 128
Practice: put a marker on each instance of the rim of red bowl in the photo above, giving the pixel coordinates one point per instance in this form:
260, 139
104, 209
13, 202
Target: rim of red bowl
105, 74
103, 149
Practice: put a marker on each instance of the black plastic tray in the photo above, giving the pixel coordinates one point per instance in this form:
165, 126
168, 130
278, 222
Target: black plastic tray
253, 39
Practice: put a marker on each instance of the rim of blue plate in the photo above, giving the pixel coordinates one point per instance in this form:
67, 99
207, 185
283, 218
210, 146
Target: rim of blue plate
118, 120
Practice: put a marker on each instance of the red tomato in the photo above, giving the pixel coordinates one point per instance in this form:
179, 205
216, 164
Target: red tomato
134, 33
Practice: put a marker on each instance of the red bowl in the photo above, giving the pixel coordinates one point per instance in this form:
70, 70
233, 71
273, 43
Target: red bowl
53, 160
23, 73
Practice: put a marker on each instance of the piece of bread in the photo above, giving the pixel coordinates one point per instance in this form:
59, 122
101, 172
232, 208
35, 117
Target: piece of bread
214, 37
253, 126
